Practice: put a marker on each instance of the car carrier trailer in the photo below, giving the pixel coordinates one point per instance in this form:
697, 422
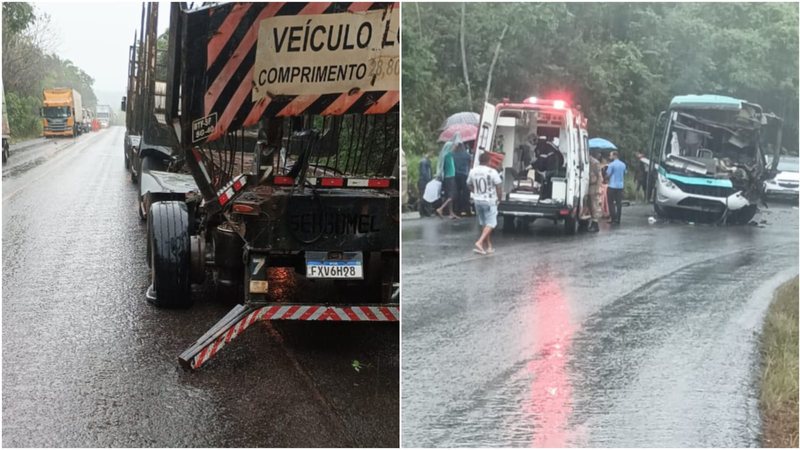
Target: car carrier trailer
292, 153
151, 144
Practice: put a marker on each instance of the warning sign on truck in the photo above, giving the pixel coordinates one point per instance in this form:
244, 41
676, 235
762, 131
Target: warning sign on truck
327, 54
203, 127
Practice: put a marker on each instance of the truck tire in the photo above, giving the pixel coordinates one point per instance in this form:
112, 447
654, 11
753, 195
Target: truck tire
169, 252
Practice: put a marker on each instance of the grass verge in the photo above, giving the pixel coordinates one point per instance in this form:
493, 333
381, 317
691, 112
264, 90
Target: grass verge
779, 369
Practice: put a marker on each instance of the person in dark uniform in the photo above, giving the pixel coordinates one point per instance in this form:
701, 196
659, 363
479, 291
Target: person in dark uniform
461, 159
548, 160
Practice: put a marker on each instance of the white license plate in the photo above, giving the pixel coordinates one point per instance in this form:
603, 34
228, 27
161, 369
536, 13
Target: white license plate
348, 266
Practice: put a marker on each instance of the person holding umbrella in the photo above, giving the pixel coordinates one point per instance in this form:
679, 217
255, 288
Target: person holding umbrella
454, 161
447, 169
601, 146
462, 160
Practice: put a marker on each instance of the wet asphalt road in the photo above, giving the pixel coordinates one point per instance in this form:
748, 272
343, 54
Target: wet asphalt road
644, 335
88, 362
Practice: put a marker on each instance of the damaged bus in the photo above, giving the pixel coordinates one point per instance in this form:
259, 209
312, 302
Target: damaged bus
708, 157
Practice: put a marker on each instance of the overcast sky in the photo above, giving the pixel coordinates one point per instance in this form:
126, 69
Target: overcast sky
96, 37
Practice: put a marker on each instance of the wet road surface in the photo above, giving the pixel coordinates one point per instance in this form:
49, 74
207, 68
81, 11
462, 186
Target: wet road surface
644, 335
88, 362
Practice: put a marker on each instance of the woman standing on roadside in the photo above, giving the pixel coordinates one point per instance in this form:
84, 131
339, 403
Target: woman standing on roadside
447, 169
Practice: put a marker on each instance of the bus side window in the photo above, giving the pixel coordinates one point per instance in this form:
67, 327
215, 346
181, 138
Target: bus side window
657, 137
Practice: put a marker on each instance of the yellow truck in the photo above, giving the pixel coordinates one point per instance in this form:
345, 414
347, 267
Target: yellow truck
62, 112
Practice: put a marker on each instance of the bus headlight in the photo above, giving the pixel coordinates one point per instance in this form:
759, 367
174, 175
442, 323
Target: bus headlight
666, 182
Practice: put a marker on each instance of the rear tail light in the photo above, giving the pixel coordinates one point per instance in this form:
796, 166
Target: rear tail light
243, 208
564, 212
378, 183
283, 181
331, 182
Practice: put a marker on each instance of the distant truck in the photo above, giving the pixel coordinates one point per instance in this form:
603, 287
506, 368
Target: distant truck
103, 114
6, 130
86, 123
62, 112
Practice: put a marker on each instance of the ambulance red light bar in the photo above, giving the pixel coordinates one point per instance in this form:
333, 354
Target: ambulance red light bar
558, 104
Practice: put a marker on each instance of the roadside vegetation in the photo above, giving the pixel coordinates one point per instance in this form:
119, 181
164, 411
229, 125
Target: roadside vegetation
779, 369
30, 64
621, 62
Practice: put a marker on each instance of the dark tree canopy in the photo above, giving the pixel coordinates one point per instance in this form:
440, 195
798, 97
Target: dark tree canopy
621, 62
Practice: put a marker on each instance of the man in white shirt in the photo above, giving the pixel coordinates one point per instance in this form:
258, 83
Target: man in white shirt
487, 188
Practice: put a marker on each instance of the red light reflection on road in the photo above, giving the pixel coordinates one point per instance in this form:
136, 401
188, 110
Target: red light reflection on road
551, 392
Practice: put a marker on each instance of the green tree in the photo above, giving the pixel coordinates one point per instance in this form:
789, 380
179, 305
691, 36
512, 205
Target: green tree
17, 16
622, 63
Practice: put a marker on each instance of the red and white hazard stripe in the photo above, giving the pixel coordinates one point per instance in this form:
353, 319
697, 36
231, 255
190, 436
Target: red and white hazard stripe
373, 183
227, 192
297, 312
243, 91
199, 158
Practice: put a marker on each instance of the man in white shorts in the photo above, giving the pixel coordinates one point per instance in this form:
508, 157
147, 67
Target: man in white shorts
486, 187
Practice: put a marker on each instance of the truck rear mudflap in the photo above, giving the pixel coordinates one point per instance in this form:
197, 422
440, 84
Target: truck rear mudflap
242, 316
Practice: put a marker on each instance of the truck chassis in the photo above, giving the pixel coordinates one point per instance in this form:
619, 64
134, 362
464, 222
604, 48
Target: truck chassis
257, 194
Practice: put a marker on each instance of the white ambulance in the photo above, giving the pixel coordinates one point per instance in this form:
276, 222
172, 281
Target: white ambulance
540, 147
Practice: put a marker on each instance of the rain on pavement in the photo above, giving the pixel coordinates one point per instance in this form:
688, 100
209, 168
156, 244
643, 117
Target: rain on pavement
642, 335
88, 362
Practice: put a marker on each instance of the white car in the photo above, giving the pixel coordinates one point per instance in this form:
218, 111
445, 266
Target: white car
787, 182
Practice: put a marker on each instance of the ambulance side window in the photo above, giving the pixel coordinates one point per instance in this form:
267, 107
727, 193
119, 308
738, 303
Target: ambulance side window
586, 146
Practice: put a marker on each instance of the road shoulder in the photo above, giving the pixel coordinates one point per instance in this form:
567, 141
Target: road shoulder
779, 369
